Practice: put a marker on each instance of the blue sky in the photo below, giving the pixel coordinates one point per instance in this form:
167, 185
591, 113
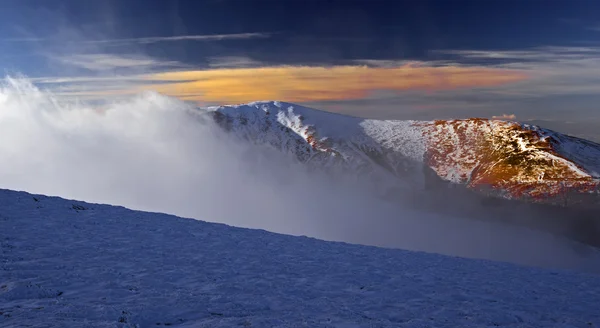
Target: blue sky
536, 60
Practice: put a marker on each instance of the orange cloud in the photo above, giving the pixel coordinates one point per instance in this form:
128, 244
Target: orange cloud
302, 84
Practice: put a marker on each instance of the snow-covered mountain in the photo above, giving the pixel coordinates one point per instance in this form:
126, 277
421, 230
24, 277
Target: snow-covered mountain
495, 157
71, 264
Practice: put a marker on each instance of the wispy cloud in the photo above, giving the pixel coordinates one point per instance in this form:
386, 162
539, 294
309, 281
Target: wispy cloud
210, 37
149, 40
233, 62
579, 23
553, 70
32, 39
105, 62
82, 80
381, 62
538, 54
595, 28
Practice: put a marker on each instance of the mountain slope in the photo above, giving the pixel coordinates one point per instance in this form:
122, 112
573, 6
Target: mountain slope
518, 160
507, 159
71, 264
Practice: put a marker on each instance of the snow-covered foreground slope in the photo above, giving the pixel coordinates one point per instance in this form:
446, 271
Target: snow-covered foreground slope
70, 264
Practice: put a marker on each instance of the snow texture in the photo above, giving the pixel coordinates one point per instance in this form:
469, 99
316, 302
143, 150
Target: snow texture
400, 136
72, 264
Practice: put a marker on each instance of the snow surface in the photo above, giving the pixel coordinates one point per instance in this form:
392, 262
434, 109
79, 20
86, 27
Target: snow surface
584, 153
71, 264
400, 136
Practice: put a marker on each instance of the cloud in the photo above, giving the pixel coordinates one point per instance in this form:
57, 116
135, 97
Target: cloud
149, 40
302, 84
510, 117
381, 62
583, 24
103, 62
552, 70
463, 83
81, 80
32, 39
232, 62
532, 55
288, 83
210, 37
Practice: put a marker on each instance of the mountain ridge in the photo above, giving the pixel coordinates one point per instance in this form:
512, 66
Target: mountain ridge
495, 157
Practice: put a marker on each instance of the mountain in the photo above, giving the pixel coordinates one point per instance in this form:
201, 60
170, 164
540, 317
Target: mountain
492, 157
66, 263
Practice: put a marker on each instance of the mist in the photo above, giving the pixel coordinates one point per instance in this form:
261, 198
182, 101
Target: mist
155, 153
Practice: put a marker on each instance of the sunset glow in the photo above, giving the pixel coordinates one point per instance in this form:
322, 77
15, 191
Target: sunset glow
301, 84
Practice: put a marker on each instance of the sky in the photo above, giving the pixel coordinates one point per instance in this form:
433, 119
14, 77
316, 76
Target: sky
530, 60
